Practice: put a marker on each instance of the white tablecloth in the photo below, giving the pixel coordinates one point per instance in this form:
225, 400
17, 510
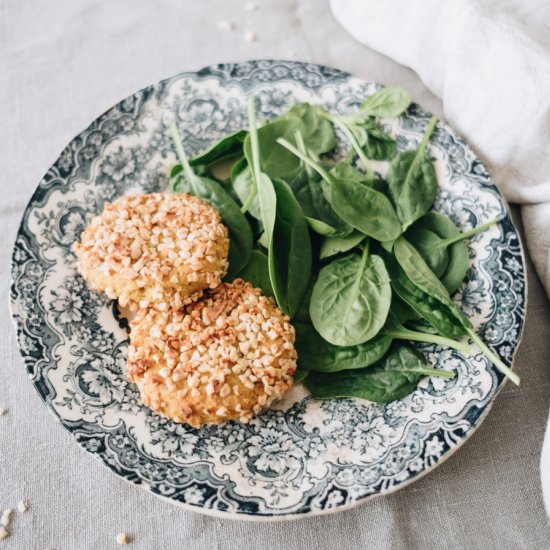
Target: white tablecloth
61, 65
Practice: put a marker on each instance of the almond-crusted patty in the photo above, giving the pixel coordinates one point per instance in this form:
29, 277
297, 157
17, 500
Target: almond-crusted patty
154, 250
227, 356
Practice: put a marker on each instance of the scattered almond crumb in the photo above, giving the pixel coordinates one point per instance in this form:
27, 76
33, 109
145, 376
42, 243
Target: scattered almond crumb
2, 411
5, 520
251, 6
122, 538
226, 25
3, 532
22, 506
250, 37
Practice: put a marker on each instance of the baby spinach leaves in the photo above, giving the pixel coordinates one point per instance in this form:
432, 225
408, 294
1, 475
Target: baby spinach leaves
285, 228
229, 147
256, 272
278, 162
337, 245
395, 329
316, 354
316, 131
393, 377
351, 299
441, 245
359, 205
412, 182
365, 209
377, 144
275, 161
388, 102
440, 311
289, 251
365, 134
312, 192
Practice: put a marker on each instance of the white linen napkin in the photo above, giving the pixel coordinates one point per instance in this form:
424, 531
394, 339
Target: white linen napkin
489, 62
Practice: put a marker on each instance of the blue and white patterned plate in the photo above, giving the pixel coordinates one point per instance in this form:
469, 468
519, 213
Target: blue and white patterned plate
305, 456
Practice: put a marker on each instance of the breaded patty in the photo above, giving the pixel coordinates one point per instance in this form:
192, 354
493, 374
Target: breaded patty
227, 356
154, 250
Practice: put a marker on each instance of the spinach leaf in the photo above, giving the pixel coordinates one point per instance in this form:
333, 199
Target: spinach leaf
237, 168
300, 375
240, 234
313, 195
359, 205
243, 185
417, 270
441, 314
457, 267
289, 251
358, 138
275, 161
420, 275
456, 259
388, 102
426, 282
285, 229
345, 171
228, 147
316, 354
412, 181
336, 245
263, 186
351, 299
426, 242
373, 140
316, 131
365, 209
394, 377
400, 311
310, 193
379, 145
319, 227
439, 242
256, 272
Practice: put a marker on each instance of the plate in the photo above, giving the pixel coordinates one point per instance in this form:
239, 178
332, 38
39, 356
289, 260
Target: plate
305, 456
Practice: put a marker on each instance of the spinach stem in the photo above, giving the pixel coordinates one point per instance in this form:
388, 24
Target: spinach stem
249, 199
499, 364
467, 234
417, 156
403, 333
428, 133
302, 148
255, 155
355, 144
254, 139
319, 169
366, 247
189, 174
440, 373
